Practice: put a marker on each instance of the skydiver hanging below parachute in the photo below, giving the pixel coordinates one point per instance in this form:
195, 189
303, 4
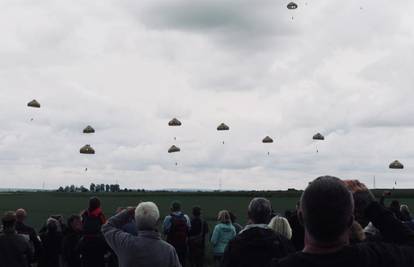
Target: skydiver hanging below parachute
396, 165
174, 149
267, 140
318, 137
292, 6
33, 104
223, 127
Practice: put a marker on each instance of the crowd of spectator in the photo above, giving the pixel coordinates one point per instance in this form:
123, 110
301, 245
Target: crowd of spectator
335, 223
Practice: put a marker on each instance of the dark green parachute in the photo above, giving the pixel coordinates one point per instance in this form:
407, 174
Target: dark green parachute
267, 139
87, 149
318, 136
292, 5
174, 122
223, 127
33, 104
396, 165
88, 130
174, 149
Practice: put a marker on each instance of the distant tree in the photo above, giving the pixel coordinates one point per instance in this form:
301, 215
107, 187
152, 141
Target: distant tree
83, 189
61, 189
107, 188
102, 188
67, 189
72, 188
92, 187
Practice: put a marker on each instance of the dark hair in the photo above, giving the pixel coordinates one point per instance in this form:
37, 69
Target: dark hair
9, 219
71, 219
94, 203
327, 207
233, 217
260, 210
176, 206
196, 211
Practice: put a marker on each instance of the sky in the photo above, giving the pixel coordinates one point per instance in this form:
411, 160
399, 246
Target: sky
125, 67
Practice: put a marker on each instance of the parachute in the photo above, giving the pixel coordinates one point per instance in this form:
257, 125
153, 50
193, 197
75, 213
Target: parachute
318, 136
396, 165
223, 127
87, 149
33, 104
292, 5
174, 149
174, 122
267, 139
88, 130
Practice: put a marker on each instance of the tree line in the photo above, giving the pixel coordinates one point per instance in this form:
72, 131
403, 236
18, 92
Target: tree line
96, 188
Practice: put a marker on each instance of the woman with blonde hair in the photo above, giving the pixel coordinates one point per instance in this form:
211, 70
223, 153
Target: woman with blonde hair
281, 225
223, 232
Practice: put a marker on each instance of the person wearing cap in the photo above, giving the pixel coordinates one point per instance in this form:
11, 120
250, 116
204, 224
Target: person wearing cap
15, 250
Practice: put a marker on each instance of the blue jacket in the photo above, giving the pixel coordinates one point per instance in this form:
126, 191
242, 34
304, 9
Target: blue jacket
222, 234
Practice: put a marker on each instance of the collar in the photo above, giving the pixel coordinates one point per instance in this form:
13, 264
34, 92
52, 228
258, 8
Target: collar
250, 226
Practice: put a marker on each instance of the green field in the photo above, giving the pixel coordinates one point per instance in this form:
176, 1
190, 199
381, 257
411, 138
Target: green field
40, 205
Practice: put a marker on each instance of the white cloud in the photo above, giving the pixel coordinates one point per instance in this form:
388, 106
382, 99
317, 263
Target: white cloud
127, 67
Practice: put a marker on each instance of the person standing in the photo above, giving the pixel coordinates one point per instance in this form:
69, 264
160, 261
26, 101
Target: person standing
29, 233
70, 248
196, 240
15, 250
223, 232
51, 245
176, 227
93, 246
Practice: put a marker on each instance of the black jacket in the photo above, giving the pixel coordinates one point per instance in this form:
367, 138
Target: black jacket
14, 250
51, 249
25, 230
256, 247
398, 252
70, 252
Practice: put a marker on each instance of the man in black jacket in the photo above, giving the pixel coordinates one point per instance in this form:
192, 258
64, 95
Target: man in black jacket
14, 249
256, 245
29, 233
327, 210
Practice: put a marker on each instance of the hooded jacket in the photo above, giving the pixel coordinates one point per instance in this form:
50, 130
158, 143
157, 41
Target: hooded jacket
256, 247
222, 234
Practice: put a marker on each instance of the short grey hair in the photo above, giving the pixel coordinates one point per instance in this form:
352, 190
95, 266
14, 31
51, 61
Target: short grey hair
147, 215
260, 210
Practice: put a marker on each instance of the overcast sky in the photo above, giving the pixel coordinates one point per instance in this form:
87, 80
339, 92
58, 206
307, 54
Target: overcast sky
126, 67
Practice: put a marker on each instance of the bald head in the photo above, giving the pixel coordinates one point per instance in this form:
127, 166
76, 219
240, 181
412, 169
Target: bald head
327, 208
21, 215
260, 210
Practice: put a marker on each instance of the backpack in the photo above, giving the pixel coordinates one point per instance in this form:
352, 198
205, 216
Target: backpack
91, 224
178, 233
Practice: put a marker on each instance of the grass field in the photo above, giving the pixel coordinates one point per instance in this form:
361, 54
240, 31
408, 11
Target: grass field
40, 205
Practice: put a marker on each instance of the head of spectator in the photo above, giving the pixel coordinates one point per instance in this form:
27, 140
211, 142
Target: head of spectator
196, 211
75, 223
405, 212
9, 221
224, 217
326, 210
94, 203
233, 217
21, 215
175, 206
147, 216
281, 225
259, 211
52, 225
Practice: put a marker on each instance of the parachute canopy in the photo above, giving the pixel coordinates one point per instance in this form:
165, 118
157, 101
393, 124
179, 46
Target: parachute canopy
33, 104
292, 5
267, 139
174, 149
88, 130
396, 165
87, 149
174, 122
318, 136
223, 127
